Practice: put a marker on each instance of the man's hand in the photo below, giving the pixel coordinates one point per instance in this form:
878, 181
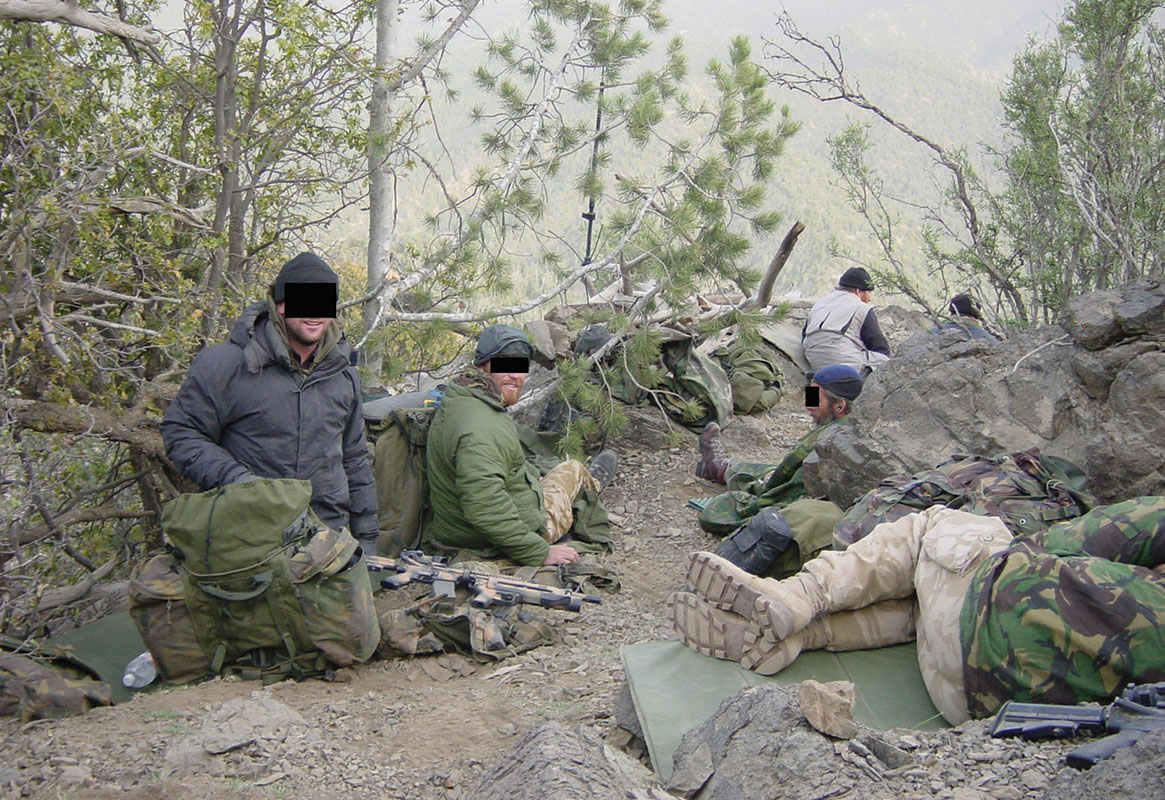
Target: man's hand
560, 554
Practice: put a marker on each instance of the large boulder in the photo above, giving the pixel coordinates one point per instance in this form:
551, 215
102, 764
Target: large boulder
1091, 391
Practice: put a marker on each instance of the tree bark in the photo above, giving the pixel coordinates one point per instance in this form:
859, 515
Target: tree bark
381, 208
47, 417
764, 292
69, 13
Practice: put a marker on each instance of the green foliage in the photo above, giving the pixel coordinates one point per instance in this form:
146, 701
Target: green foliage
1083, 206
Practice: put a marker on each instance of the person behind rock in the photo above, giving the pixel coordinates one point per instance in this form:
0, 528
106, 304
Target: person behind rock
843, 329
485, 495
280, 399
1069, 615
965, 318
770, 499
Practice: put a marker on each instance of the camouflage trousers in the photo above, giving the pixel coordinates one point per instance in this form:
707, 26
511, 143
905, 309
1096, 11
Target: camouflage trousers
931, 555
1072, 614
560, 486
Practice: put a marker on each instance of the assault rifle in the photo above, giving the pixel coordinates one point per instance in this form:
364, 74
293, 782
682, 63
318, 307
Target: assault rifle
1139, 709
487, 589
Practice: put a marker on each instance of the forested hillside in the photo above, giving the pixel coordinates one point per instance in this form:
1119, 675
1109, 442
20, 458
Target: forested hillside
938, 65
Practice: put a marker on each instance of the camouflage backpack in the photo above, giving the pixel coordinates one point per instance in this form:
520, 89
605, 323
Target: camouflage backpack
254, 584
399, 430
754, 373
1026, 490
700, 391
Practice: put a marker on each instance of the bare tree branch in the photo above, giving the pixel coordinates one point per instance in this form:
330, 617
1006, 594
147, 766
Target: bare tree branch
764, 292
68, 12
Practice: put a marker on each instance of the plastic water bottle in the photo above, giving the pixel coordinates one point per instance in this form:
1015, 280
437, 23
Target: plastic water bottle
140, 672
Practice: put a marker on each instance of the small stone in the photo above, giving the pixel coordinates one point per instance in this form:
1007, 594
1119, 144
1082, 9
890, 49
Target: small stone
1006, 793
1034, 780
829, 707
9, 777
75, 776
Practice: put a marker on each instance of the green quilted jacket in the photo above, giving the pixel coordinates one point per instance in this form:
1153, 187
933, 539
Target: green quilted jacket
484, 493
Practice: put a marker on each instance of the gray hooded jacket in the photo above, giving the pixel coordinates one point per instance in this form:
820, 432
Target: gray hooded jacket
245, 409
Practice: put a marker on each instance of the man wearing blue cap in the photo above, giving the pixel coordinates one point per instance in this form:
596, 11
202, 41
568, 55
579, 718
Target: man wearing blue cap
766, 509
486, 496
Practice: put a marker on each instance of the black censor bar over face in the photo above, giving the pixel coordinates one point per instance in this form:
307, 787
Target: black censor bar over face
310, 300
509, 364
812, 396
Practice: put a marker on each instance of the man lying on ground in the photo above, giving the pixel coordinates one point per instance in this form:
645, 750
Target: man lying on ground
1069, 615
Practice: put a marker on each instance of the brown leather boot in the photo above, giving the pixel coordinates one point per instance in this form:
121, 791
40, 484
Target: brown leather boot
714, 460
878, 625
706, 629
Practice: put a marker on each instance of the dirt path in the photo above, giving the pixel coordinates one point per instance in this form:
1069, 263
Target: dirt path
419, 728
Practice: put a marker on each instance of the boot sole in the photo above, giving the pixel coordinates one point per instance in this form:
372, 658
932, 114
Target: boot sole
703, 628
728, 587
765, 656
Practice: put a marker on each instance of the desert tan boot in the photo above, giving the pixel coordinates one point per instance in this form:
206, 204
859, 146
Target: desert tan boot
780, 608
708, 630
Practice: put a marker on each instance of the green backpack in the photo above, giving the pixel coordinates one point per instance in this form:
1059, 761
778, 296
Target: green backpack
254, 584
755, 375
399, 439
1026, 490
700, 391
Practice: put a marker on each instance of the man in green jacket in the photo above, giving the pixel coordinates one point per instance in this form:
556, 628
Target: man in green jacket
485, 495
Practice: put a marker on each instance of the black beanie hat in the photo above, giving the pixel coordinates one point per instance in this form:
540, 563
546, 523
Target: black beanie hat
964, 306
856, 278
304, 268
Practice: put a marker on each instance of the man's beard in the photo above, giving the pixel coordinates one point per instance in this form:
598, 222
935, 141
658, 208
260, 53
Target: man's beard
299, 337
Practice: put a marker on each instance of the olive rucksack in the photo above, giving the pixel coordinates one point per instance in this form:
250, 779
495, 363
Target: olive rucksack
754, 373
398, 427
253, 584
1026, 490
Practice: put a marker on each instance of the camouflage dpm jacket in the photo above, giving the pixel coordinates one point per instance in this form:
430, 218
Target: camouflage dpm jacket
1069, 615
753, 486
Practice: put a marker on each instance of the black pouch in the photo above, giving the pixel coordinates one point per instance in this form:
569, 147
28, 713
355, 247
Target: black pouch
758, 543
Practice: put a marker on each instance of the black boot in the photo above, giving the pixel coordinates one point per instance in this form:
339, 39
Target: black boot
758, 543
602, 467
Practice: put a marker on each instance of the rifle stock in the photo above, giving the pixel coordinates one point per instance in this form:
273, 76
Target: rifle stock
1139, 709
487, 589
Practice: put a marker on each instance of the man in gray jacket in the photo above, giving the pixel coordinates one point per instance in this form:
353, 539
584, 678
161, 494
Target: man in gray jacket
842, 328
280, 399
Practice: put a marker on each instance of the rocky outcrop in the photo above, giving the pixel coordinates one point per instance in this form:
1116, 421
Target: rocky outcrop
566, 764
758, 744
1090, 391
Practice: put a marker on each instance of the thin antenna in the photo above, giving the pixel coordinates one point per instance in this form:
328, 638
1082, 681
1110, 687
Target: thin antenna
589, 214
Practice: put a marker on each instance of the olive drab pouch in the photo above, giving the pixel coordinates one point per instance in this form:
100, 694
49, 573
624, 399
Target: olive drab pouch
335, 595
453, 625
267, 590
1027, 491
